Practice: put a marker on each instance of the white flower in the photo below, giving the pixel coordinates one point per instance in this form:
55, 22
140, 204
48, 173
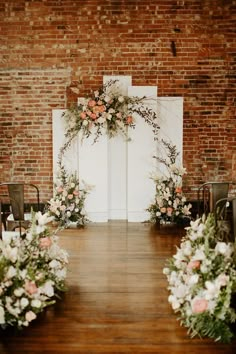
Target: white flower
107, 98
224, 249
54, 264
2, 315
48, 289
24, 302
10, 253
36, 303
19, 292
174, 302
121, 99
11, 272
193, 279
101, 120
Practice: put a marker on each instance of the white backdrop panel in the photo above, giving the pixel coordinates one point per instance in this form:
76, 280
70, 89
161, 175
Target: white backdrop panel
92, 168
170, 111
117, 162
140, 162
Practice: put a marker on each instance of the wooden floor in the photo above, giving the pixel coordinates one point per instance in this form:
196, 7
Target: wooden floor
117, 298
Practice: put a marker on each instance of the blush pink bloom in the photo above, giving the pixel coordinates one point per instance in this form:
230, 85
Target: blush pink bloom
169, 211
92, 103
193, 265
93, 116
59, 189
199, 305
76, 193
70, 196
45, 242
31, 287
30, 316
83, 115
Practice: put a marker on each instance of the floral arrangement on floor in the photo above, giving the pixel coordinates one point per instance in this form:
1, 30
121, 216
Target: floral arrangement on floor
169, 204
107, 110
202, 282
67, 205
32, 273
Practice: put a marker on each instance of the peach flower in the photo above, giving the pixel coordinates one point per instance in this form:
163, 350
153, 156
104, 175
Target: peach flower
31, 287
193, 265
70, 196
91, 103
199, 305
169, 211
83, 115
45, 242
30, 316
163, 210
93, 116
178, 189
129, 120
59, 189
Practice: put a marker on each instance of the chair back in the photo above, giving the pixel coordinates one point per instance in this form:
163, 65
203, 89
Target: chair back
16, 195
225, 215
211, 193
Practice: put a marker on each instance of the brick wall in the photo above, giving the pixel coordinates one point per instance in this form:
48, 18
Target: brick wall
51, 51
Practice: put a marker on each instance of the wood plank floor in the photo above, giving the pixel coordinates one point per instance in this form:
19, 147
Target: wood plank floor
117, 298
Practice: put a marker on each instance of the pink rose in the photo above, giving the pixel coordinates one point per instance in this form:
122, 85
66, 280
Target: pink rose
92, 103
30, 316
199, 305
93, 116
169, 211
59, 189
193, 265
45, 242
31, 287
83, 115
76, 193
70, 196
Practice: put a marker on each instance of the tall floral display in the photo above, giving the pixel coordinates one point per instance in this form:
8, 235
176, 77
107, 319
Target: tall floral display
169, 205
202, 282
33, 271
68, 203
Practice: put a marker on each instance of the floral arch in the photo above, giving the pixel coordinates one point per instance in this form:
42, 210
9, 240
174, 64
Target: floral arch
111, 112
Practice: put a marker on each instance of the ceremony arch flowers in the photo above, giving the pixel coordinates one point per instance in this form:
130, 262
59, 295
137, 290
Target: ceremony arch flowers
106, 111
170, 204
68, 202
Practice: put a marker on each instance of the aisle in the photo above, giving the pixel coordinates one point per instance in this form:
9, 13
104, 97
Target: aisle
116, 300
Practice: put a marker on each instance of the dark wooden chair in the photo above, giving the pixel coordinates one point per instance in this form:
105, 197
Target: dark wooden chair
208, 195
16, 195
225, 218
